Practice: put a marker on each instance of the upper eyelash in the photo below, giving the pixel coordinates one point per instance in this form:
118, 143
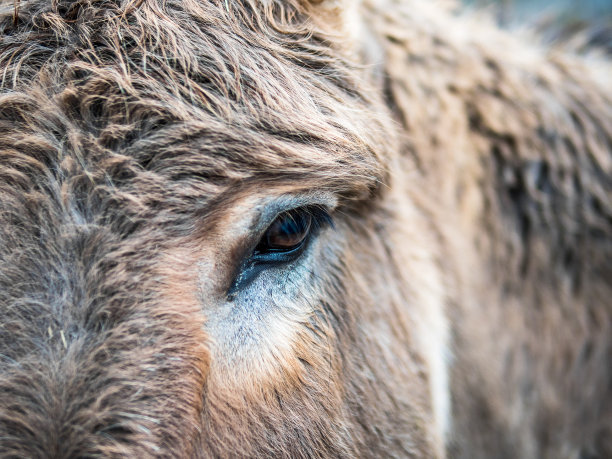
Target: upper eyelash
320, 217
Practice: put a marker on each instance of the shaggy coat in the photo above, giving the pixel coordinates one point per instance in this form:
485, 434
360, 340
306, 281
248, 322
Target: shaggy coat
458, 305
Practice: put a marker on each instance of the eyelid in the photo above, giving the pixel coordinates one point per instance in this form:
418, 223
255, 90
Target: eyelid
271, 210
254, 263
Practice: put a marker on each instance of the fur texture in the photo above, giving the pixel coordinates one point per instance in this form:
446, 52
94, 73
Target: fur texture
459, 306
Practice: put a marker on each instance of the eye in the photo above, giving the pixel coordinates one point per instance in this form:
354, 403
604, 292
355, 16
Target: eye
287, 233
283, 242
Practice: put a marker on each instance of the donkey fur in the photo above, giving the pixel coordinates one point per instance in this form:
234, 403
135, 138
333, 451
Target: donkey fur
461, 305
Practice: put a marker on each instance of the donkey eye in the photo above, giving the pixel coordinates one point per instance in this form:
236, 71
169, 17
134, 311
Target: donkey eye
287, 233
283, 242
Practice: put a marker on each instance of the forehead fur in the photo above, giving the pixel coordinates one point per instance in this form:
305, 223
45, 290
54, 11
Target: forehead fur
210, 94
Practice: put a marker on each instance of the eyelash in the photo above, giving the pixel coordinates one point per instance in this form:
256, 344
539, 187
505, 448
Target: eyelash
257, 262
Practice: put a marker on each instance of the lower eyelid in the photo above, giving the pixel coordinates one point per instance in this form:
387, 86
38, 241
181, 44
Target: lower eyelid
257, 263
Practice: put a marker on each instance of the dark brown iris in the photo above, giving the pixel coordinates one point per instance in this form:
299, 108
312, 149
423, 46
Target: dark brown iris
286, 233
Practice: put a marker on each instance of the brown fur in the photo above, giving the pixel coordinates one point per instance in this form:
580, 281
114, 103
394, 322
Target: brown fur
469, 176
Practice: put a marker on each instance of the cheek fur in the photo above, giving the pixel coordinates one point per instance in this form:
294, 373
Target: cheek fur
178, 289
269, 337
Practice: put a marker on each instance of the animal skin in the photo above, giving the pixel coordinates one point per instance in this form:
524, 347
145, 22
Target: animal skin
453, 299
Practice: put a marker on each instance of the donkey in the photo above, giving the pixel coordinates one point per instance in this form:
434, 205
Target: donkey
300, 228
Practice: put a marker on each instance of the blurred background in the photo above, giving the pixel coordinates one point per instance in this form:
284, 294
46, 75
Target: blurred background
556, 19
521, 10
